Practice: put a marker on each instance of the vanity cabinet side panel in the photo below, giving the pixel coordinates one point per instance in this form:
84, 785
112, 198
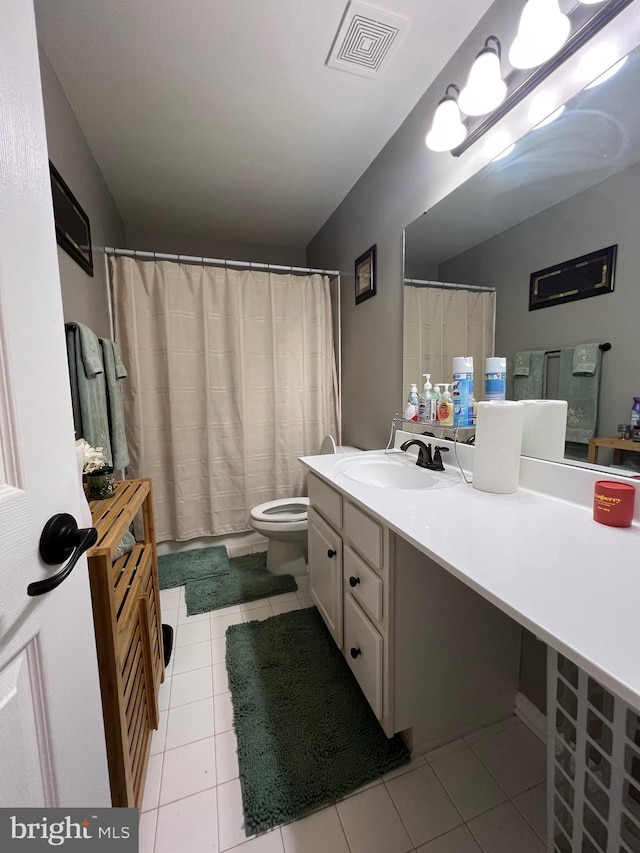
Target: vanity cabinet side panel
456, 656
325, 573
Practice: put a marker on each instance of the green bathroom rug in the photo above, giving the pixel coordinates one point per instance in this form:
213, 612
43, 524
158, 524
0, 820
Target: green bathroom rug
246, 580
306, 734
177, 569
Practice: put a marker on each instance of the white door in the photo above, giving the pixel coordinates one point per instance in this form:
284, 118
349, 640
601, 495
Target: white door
52, 749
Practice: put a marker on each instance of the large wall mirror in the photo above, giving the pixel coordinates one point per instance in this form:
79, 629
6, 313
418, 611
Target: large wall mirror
568, 188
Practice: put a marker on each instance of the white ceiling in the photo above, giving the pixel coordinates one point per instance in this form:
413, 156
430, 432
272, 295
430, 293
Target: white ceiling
220, 117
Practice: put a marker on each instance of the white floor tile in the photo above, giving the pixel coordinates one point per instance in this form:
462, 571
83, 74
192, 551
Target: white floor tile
194, 632
147, 831
226, 757
224, 611
423, 804
169, 615
306, 601
230, 815
188, 770
371, 823
469, 784
218, 649
446, 749
169, 598
504, 830
270, 842
191, 686
191, 657
513, 720
533, 805
259, 613
223, 712
459, 840
189, 824
474, 737
284, 596
184, 619
151, 795
286, 607
189, 723
164, 693
219, 624
418, 761
220, 679
515, 757
159, 736
320, 832
253, 605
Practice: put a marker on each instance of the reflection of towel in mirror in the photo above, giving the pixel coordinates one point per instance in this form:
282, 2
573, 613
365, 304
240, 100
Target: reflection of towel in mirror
532, 384
88, 390
585, 358
580, 390
114, 371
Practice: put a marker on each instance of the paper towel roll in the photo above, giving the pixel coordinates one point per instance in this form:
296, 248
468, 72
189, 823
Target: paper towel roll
544, 427
496, 463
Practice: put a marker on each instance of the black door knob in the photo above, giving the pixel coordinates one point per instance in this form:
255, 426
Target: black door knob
355, 652
354, 581
62, 538
331, 553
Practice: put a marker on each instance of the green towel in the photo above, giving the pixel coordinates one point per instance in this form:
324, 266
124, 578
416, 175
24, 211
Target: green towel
118, 438
177, 569
580, 390
88, 388
530, 386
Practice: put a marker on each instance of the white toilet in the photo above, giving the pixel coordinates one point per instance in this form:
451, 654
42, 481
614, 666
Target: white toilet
284, 522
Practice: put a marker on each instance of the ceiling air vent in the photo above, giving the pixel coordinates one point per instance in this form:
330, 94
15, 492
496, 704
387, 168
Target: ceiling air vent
366, 39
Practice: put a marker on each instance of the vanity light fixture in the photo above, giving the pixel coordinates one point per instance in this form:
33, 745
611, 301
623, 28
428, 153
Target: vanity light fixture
447, 129
542, 31
485, 89
543, 106
608, 74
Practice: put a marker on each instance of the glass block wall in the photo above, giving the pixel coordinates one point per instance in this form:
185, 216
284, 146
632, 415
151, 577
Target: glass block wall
593, 767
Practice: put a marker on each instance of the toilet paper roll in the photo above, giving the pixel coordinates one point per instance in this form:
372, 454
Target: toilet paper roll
496, 463
544, 428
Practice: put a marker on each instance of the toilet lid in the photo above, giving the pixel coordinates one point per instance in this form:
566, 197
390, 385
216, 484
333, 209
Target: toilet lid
283, 510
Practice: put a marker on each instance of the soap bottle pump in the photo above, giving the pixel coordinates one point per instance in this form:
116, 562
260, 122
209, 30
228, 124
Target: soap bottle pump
437, 396
426, 412
413, 403
445, 407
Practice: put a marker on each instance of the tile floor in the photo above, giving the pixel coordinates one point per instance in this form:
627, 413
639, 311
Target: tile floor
483, 794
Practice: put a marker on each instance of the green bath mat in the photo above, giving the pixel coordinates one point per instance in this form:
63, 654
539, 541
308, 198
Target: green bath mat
306, 734
176, 569
246, 580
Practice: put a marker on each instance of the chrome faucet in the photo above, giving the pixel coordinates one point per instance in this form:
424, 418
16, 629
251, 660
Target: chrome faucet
425, 460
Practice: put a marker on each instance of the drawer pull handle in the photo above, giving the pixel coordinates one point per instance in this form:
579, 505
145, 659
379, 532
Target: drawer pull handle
355, 652
331, 553
354, 581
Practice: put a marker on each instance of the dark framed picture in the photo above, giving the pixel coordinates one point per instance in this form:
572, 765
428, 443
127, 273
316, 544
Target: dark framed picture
366, 275
588, 275
73, 233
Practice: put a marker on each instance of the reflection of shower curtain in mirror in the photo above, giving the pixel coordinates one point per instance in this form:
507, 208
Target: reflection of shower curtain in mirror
232, 378
441, 323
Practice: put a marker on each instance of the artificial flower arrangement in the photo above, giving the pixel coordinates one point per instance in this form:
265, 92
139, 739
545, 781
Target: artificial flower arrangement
94, 458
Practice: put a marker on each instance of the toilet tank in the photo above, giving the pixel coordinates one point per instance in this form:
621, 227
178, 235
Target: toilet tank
329, 446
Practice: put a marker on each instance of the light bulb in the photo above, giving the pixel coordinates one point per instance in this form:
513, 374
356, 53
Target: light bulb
498, 145
608, 74
590, 2
552, 117
542, 31
447, 130
541, 107
485, 89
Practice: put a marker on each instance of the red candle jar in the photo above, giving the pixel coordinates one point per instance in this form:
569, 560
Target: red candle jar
613, 503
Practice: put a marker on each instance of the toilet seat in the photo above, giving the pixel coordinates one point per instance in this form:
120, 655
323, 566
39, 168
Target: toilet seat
282, 511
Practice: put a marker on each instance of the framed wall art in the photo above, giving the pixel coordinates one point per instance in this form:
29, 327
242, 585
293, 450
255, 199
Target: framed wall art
365, 275
73, 233
588, 275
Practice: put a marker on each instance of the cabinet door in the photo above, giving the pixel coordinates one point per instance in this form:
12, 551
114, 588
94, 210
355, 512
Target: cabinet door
325, 572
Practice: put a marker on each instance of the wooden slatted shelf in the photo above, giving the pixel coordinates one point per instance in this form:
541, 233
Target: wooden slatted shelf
126, 613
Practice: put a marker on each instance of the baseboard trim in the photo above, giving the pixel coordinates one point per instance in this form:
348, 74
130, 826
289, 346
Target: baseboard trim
532, 717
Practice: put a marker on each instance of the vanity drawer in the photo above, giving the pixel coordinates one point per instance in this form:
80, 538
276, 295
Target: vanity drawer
365, 534
368, 588
326, 500
363, 651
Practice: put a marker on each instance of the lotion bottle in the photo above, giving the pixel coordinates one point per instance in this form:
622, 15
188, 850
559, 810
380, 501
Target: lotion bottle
445, 407
413, 403
426, 412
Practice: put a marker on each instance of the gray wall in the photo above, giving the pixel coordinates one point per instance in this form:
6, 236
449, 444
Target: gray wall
603, 215
184, 244
403, 181
84, 299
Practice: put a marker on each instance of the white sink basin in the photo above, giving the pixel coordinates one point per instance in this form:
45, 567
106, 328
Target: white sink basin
395, 471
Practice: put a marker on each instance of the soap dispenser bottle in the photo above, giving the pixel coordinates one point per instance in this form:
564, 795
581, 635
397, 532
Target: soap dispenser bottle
437, 396
445, 407
426, 412
413, 403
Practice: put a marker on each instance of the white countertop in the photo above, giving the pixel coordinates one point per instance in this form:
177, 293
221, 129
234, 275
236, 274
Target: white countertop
542, 559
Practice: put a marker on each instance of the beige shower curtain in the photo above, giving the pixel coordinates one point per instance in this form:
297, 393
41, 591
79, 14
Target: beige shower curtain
231, 377
441, 323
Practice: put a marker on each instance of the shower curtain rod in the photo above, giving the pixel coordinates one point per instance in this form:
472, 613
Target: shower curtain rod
213, 262
419, 282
